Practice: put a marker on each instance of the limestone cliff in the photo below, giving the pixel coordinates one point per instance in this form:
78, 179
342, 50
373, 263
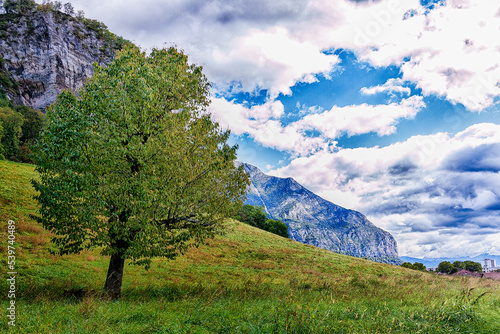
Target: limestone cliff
46, 52
315, 221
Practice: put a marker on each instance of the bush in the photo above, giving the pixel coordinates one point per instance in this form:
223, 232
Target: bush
21, 126
256, 216
416, 266
2, 157
12, 124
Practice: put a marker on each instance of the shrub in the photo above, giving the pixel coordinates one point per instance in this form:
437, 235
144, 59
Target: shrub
256, 216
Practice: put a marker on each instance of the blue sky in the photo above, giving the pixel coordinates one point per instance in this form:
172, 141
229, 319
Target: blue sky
387, 107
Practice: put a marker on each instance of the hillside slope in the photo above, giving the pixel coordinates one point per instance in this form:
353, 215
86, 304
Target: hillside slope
246, 281
315, 221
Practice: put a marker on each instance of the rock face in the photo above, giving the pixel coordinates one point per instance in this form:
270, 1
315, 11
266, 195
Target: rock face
315, 221
47, 52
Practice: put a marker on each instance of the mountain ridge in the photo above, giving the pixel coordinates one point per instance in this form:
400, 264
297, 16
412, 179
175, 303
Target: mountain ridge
45, 52
315, 221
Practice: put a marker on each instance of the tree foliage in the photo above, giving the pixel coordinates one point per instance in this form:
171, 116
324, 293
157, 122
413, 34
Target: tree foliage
256, 216
18, 6
2, 151
447, 267
415, 266
21, 126
473, 266
134, 165
12, 123
69, 9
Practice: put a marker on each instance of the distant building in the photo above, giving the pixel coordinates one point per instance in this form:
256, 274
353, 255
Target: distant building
489, 265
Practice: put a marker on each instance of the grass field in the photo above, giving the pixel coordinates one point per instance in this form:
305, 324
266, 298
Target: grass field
246, 281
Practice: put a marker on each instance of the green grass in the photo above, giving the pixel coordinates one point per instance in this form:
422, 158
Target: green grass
247, 281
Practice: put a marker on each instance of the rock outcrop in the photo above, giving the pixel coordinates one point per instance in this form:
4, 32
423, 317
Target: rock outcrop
315, 221
46, 52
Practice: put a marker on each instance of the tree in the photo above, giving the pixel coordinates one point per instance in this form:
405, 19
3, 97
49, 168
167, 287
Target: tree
415, 266
252, 215
57, 5
80, 14
18, 6
457, 266
10, 6
34, 122
68, 8
134, 165
256, 216
2, 157
277, 227
419, 266
407, 265
445, 267
12, 123
473, 266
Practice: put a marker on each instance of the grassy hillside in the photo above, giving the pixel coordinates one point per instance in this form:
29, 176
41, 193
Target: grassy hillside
247, 281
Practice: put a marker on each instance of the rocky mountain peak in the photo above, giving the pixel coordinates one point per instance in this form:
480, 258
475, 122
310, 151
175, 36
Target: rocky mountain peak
48, 51
318, 222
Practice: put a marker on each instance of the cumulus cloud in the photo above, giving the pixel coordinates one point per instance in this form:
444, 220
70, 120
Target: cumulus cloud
391, 86
244, 46
426, 188
450, 49
360, 119
262, 122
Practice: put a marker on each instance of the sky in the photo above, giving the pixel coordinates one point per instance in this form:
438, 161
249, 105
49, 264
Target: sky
387, 107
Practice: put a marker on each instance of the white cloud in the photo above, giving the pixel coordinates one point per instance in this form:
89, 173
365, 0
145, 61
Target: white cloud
452, 50
392, 85
360, 119
262, 122
435, 186
279, 60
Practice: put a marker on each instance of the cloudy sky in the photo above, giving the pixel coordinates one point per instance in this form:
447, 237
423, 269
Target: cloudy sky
387, 107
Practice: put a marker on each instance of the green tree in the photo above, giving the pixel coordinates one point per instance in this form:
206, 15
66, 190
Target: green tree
445, 267
68, 8
256, 216
10, 6
134, 165
277, 227
407, 265
57, 5
34, 122
19, 6
416, 266
473, 266
252, 215
2, 157
458, 265
12, 123
419, 266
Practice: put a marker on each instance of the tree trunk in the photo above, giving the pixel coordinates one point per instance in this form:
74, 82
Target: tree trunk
114, 278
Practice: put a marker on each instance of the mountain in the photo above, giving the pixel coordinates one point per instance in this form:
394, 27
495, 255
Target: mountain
46, 51
434, 262
315, 221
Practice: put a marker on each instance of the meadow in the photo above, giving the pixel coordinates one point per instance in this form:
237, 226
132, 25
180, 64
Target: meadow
245, 281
